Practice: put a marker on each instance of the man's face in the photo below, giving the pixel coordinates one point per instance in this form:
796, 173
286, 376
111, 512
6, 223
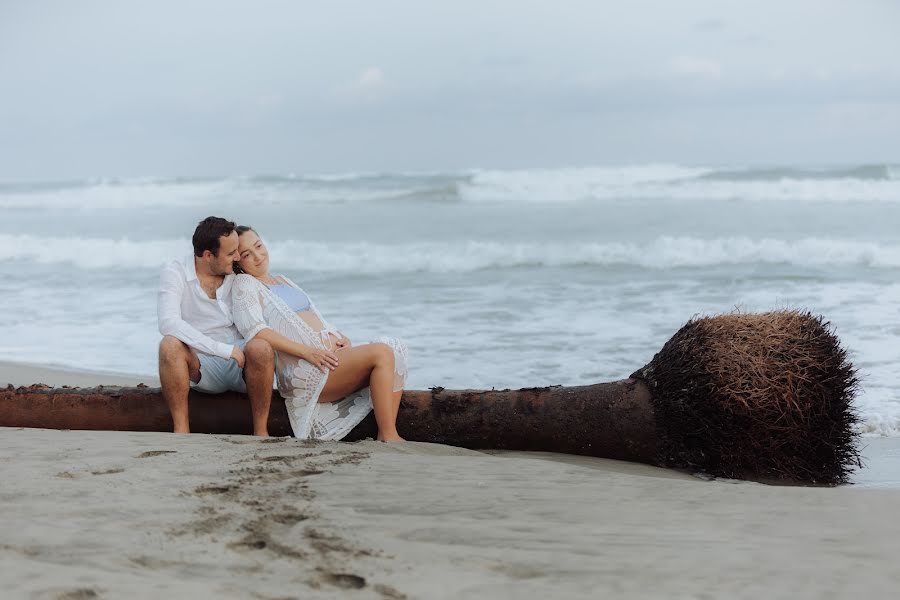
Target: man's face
228, 253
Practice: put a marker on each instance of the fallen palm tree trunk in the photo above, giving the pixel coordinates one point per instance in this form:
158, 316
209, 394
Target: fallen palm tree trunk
129, 409
746, 396
551, 418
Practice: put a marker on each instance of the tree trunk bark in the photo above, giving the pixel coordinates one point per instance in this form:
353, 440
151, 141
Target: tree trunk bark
612, 420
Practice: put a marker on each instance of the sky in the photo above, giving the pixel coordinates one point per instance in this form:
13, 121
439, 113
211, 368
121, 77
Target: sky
216, 87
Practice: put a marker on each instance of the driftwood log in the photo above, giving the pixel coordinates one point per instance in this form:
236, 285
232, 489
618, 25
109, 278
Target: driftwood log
748, 396
551, 418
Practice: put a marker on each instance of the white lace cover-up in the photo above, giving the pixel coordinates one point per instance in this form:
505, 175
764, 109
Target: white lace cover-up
256, 308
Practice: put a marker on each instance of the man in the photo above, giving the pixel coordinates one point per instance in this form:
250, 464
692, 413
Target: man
201, 348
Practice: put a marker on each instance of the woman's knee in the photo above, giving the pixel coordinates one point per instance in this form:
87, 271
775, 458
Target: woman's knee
383, 353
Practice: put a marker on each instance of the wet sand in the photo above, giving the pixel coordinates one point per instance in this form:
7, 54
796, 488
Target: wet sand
25, 374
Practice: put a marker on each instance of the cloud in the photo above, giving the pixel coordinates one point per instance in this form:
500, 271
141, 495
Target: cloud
269, 101
367, 87
370, 79
694, 66
709, 25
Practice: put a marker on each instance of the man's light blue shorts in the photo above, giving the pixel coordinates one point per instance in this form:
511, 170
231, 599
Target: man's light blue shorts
219, 375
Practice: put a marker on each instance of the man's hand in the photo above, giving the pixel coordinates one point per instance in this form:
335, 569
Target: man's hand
342, 343
238, 356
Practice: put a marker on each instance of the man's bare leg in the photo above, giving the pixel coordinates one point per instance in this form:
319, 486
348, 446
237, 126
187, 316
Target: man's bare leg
178, 366
259, 372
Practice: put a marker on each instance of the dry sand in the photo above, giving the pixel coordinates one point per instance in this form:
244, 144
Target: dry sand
150, 515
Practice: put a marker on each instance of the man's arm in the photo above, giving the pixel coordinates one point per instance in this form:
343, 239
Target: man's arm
171, 289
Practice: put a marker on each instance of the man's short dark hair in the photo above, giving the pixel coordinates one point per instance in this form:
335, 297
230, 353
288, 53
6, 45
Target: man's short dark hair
209, 230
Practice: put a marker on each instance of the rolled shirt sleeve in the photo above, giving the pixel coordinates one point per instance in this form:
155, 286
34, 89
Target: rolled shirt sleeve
172, 288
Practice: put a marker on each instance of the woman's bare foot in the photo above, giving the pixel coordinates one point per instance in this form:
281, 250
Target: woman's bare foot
391, 439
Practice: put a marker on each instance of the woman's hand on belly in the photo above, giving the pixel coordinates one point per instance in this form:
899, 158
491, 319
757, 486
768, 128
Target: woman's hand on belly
324, 360
335, 341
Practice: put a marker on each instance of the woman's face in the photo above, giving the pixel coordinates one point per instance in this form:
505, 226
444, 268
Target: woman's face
254, 254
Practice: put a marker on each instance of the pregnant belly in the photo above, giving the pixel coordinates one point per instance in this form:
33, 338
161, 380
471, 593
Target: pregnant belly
316, 325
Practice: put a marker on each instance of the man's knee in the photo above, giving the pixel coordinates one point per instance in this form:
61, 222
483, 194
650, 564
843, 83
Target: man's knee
259, 352
171, 349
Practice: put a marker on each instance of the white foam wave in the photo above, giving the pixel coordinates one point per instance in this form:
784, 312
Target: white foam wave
662, 253
116, 195
91, 253
873, 423
659, 183
668, 183
234, 191
466, 256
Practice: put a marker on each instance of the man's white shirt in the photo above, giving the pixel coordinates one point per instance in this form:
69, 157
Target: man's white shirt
187, 313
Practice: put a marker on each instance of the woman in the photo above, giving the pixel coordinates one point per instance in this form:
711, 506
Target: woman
328, 384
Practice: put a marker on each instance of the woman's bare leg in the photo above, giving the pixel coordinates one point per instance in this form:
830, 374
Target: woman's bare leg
372, 365
396, 408
397, 397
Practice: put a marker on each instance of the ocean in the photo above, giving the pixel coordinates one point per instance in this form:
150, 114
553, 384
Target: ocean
494, 278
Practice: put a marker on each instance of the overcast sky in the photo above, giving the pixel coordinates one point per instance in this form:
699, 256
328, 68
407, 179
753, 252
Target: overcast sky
127, 88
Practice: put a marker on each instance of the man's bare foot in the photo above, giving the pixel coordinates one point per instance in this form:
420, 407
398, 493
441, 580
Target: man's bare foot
261, 433
181, 430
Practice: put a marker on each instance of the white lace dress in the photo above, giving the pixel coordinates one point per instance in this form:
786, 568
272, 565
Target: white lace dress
256, 308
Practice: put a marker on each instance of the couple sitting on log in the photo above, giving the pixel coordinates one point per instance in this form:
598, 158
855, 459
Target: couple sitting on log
763, 396
228, 324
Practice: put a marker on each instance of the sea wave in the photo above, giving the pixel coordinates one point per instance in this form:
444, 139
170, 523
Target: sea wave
114, 194
875, 172
877, 183
467, 256
660, 183
121, 194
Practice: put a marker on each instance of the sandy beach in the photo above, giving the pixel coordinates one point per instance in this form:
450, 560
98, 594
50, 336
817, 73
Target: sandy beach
656, 231
25, 374
148, 515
